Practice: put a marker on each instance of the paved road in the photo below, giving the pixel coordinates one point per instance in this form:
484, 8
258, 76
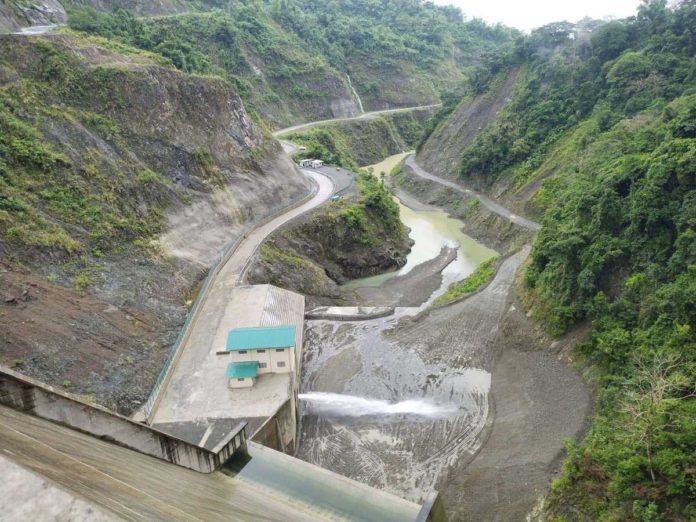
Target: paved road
364, 116
34, 30
199, 338
289, 147
485, 201
237, 264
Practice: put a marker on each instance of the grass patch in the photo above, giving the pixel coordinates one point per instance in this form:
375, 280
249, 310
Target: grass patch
479, 278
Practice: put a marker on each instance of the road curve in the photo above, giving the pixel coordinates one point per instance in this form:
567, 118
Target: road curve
363, 116
35, 30
487, 202
238, 262
199, 336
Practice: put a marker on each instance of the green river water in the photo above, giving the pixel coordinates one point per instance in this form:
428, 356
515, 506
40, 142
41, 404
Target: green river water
430, 230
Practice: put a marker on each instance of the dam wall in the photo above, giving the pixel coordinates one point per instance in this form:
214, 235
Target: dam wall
278, 432
40, 400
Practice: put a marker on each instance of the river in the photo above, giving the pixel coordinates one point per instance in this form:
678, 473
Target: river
377, 412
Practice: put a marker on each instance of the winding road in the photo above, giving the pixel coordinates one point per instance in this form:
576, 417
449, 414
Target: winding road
201, 331
290, 148
363, 116
487, 202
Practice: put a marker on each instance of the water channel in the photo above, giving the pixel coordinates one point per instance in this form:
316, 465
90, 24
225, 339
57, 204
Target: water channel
368, 402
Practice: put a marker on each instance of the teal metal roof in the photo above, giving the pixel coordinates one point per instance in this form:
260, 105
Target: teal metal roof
260, 338
240, 370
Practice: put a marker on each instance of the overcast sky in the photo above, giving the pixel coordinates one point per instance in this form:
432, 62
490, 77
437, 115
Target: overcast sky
528, 14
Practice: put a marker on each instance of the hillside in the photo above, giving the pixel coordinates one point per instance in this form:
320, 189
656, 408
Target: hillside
295, 61
120, 183
361, 142
16, 14
598, 138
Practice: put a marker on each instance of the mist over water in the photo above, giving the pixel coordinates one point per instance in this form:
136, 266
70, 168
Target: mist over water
338, 405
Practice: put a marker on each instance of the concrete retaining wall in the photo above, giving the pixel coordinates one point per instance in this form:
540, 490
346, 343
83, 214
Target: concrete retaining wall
35, 398
349, 313
278, 432
433, 509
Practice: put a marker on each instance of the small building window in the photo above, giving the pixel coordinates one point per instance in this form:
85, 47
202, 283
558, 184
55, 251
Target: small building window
281, 364
260, 351
280, 349
241, 379
242, 351
263, 365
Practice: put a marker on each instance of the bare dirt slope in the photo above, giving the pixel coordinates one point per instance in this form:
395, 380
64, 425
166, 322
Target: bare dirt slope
82, 343
441, 153
158, 171
536, 399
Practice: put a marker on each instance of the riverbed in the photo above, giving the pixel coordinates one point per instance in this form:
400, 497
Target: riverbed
383, 413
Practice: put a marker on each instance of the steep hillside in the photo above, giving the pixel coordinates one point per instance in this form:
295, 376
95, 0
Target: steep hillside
362, 142
296, 61
277, 76
398, 54
442, 151
599, 139
123, 180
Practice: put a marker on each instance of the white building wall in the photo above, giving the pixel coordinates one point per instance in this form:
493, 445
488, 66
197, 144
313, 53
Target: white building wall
247, 382
269, 356
285, 357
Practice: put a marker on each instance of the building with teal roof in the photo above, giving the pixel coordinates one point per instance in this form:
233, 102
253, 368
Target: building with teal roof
255, 351
242, 374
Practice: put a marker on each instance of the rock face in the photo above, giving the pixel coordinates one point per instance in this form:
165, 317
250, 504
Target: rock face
443, 150
150, 172
15, 14
324, 250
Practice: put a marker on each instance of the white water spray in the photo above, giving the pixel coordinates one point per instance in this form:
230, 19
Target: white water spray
336, 404
355, 93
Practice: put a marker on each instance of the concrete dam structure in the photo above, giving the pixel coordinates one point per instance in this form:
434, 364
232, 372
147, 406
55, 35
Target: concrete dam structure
97, 465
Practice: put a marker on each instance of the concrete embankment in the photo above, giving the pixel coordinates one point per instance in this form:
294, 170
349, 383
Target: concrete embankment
349, 313
271, 487
40, 400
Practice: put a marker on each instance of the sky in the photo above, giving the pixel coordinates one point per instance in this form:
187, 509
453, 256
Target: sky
528, 14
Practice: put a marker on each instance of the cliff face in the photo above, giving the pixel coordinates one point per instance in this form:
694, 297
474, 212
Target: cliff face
120, 183
15, 14
357, 236
442, 152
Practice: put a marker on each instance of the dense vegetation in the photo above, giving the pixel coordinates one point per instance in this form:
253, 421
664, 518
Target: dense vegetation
326, 144
384, 33
63, 203
609, 117
289, 58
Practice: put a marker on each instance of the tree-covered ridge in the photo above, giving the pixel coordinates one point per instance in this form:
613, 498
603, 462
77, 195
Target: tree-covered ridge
290, 59
571, 72
618, 248
382, 33
607, 117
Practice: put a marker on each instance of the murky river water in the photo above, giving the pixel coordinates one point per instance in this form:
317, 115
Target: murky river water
430, 230
378, 413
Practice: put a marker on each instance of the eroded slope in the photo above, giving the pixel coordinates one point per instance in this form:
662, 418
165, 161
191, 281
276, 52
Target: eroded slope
123, 180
